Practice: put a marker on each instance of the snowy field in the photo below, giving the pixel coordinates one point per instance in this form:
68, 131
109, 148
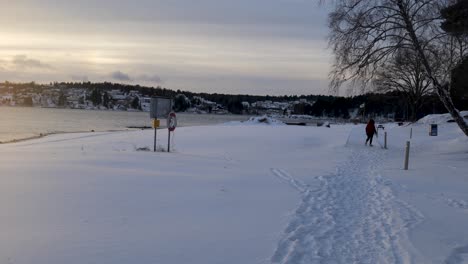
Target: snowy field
236, 193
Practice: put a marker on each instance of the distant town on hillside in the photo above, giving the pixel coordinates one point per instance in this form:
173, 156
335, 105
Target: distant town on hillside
120, 97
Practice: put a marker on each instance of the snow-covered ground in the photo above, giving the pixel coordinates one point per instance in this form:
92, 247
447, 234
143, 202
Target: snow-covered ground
240, 193
440, 119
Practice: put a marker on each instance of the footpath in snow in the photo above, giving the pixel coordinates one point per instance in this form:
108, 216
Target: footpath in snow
236, 193
372, 211
352, 216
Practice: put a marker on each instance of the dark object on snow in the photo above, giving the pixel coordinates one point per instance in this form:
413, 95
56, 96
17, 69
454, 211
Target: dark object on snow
327, 124
296, 124
380, 127
143, 149
451, 121
139, 127
355, 121
400, 123
434, 130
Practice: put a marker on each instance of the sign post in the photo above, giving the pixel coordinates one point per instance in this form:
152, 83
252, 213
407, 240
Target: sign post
156, 124
155, 137
160, 107
171, 126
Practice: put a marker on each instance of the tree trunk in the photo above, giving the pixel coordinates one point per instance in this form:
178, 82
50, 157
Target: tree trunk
413, 113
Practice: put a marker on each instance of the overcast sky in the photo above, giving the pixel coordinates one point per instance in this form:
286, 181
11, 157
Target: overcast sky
224, 46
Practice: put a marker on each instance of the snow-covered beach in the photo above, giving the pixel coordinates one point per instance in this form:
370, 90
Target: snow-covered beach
236, 193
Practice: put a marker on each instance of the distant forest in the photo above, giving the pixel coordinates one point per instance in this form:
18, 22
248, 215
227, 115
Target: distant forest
376, 104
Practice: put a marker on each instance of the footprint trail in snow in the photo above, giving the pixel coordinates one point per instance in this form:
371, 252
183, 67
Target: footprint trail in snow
352, 218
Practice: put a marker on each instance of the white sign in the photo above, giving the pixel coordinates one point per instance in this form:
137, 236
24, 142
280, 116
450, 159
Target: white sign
160, 107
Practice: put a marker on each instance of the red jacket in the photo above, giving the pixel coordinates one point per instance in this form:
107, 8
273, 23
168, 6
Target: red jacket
370, 128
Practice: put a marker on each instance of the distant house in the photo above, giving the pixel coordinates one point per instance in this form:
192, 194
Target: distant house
145, 103
269, 107
7, 97
117, 95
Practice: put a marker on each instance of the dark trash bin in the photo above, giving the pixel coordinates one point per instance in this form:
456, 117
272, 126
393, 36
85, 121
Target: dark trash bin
434, 130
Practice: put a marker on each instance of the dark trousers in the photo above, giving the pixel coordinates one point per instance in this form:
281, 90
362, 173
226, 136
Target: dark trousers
369, 138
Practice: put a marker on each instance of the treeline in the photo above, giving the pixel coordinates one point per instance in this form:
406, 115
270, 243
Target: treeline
372, 104
393, 104
375, 104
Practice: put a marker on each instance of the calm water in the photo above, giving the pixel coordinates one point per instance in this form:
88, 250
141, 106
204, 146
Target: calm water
20, 123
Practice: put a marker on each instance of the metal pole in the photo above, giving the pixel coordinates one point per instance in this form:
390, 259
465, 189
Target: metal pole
169, 141
408, 145
411, 134
155, 137
385, 140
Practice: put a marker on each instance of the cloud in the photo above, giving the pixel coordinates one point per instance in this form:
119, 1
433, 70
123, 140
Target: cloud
23, 62
150, 78
125, 77
120, 76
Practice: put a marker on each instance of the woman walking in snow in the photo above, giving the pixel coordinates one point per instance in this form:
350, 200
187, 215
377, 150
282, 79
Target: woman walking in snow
370, 131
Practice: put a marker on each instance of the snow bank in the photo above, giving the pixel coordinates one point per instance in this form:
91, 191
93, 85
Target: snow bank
453, 146
259, 120
439, 118
296, 116
264, 120
434, 187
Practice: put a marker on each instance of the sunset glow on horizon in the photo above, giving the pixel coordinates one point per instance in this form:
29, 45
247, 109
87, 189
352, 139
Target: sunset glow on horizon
266, 47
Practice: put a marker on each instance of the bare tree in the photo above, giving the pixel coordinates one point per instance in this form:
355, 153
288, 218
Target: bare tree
367, 34
405, 73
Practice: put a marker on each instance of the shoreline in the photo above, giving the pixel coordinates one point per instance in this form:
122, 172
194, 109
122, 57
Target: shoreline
88, 121
130, 128
28, 123
43, 135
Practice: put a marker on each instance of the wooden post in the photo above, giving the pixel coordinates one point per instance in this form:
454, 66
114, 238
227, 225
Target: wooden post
408, 145
169, 141
385, 140
155, 137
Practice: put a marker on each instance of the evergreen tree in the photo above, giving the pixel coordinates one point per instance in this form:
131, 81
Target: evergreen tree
105, 100
28, 101
456, 18
456, 23
136, 103
181, 103
62, 100
96, 97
